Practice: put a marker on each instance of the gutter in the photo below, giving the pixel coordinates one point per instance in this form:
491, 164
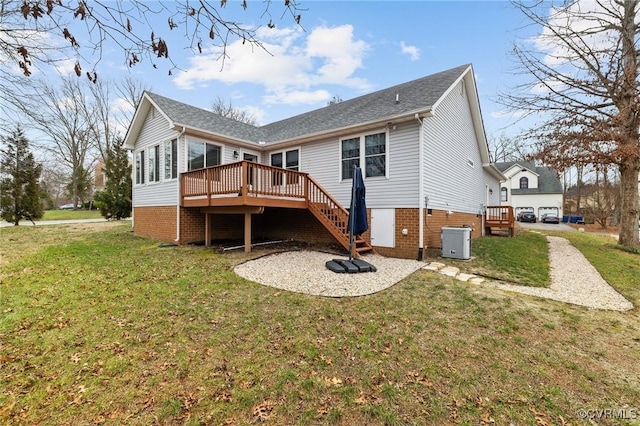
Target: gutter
421, 197
180, 136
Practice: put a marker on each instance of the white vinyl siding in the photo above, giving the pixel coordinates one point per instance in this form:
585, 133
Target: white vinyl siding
450, 147
323, 161
155, 131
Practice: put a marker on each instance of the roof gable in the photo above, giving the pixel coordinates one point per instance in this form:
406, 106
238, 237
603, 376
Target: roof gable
402, 101
548, 182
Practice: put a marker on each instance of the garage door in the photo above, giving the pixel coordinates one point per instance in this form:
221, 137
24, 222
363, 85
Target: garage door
548, 210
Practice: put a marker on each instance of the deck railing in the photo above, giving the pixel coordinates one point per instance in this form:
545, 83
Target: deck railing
499, 217
244, 178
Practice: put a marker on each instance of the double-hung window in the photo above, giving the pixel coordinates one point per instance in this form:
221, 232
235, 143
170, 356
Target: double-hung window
140, 169
201, 155
524, 182
375, 155
154, 163
368, 150
350, 156
171, 159
289, 160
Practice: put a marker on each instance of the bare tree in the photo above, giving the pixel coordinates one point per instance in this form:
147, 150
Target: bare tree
605, 198
110, 110
60, 113
38, 32
219, 106
506, 148
129, 91
582, 82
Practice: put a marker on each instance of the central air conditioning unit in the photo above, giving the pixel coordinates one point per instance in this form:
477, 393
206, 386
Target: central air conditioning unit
456, 242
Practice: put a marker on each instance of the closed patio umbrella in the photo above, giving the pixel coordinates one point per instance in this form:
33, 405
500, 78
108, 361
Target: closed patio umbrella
358, 223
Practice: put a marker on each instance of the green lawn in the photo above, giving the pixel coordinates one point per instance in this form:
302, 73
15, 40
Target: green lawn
98, 326
71, 214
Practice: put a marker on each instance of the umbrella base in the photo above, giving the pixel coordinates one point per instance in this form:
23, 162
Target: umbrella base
352, 266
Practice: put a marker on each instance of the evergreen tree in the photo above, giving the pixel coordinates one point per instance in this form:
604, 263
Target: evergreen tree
114, 201
19, 189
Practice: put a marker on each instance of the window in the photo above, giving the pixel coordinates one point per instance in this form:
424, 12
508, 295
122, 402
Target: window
276, 161
293, 162
503, 194
289, 160
171, 159
375, 155
140, 167
350, 156
201, 155
524, 182
370, 150
154, 164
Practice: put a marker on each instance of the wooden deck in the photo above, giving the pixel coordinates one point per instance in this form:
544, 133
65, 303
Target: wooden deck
500, 217
247, 187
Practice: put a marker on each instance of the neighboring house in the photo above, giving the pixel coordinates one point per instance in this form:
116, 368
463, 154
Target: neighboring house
530, 188
99, 180
200, 177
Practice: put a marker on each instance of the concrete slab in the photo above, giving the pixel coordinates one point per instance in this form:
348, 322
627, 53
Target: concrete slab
450, 271
465, 277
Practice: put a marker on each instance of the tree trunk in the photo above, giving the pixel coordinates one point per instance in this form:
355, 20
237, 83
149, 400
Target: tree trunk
629, 210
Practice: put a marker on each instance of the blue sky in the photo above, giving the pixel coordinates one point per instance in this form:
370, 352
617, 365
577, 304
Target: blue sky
342, 48
346, 49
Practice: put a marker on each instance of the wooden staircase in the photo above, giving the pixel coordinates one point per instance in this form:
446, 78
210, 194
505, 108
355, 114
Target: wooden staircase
334, 217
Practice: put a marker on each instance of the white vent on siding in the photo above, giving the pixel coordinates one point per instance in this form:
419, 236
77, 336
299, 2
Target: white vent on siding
469, 162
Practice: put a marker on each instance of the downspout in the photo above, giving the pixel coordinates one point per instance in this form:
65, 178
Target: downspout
421, 196
178, 195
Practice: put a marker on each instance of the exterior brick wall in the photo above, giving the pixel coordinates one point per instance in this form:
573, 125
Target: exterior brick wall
191, 225
158, 222
406, 246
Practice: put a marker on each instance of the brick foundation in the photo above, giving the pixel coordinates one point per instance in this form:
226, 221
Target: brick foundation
406, 246
280, 224
158, 222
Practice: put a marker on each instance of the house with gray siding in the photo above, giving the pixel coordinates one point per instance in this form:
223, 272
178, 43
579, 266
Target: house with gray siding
201, 177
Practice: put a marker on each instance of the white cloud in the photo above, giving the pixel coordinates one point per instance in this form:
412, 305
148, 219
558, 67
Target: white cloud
297, 97
121, 105
412, 51
584, 24
290, 69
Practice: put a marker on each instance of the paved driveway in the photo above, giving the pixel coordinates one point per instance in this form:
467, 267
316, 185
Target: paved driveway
546, 226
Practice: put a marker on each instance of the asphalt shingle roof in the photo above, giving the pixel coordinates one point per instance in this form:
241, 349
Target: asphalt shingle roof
413, 96
548, 182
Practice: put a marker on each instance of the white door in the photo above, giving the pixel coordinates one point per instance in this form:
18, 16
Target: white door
383, 227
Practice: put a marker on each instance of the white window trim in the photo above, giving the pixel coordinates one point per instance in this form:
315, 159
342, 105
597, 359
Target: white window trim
158, 162
164, 158
198, 140
363, 155
284, 157
143, 168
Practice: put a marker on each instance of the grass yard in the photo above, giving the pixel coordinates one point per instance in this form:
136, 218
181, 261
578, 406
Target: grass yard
98, 326
71, 214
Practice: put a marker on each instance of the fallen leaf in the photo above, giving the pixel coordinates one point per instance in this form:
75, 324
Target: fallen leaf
487, 419
262, 411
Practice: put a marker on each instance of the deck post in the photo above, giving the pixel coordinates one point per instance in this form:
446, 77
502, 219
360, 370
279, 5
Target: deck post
247, 232
207, 230
243, 179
